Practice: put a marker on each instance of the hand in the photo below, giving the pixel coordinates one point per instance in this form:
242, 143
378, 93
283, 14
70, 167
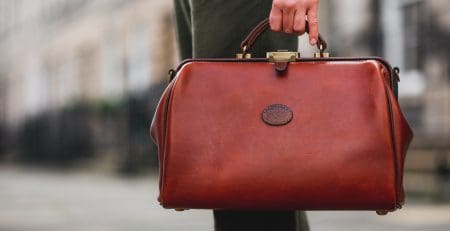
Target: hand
290, 16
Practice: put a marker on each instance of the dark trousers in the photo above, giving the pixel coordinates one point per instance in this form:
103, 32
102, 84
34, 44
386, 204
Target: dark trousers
215, 29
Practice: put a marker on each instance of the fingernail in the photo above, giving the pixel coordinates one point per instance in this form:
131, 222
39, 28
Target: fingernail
313, 41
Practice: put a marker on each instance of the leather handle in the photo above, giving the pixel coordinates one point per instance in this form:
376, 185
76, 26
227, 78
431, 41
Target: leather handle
257, 31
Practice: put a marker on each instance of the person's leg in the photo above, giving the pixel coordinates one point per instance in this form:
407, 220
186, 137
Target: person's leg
228, 220
260, 221
215, 29
183, 28
302, 221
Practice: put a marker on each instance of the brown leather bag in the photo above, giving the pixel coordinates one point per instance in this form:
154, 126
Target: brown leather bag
281, 133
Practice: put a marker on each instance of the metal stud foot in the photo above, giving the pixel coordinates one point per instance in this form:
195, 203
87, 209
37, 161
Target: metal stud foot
382, 212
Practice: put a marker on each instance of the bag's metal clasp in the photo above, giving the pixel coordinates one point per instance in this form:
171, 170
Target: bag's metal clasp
282, 56
281, 59
244, 54
321, 53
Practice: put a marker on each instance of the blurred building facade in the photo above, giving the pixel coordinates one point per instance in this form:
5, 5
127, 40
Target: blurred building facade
55, 52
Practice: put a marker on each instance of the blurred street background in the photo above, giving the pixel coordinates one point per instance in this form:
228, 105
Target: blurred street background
80, 79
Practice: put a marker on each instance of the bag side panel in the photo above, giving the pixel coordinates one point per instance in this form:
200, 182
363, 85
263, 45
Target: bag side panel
403, 136
158, 127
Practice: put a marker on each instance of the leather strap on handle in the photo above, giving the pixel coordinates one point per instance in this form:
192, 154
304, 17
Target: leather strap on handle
247, 44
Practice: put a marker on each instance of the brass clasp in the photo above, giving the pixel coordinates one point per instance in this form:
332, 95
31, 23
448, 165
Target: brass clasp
243, 56
282, 56
319, 55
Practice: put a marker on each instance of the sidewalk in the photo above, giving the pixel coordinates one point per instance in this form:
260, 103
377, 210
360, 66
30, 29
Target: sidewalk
38, 200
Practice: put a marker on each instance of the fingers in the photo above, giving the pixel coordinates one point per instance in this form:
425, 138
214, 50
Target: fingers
290, 16
288, 20
313, 24
299, 22
275, 18
282, 15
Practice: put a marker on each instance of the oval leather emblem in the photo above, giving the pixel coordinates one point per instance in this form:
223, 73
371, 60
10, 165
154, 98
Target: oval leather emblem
277, 114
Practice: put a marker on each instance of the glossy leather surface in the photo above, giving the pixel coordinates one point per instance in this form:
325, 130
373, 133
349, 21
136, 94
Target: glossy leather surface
344, 148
